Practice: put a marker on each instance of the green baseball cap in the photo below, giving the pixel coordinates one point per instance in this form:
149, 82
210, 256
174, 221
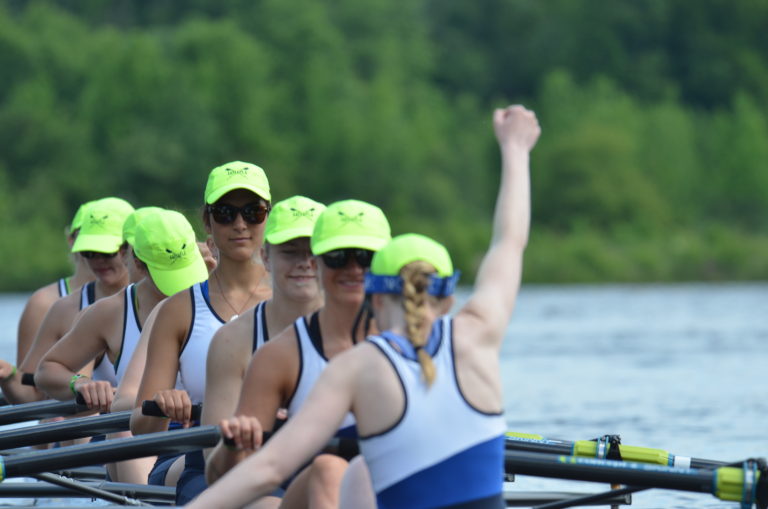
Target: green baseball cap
102, 226
129, 226
291, 218
236, 175
350, 223
384, 276
166, 242
411, 247
77, 219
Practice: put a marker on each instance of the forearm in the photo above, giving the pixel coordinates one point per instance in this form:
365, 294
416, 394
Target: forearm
16, 393
220, 461
55, 379
253, 478
512, 216
142, 424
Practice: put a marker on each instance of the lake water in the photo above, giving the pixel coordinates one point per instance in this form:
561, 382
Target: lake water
675, 367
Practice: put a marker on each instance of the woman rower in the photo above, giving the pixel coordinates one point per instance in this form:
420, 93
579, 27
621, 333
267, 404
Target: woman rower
284, 370
426, 393
167, 258
288, 258
237, 201
100, 242
43, 298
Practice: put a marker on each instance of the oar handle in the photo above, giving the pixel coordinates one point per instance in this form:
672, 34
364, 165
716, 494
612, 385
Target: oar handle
28, 379
151, 408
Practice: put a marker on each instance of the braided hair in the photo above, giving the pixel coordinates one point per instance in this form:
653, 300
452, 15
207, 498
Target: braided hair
415, 277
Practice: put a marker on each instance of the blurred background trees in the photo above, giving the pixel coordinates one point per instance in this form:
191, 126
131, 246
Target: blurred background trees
651, 166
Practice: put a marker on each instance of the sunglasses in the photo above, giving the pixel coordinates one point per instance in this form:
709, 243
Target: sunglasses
90, 255
339, 258
253, 213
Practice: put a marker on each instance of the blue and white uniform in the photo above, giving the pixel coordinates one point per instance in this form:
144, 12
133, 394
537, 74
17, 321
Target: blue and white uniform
442, 452
312, 362
63, 287
87, 294
205, 323
260, 331
131, 333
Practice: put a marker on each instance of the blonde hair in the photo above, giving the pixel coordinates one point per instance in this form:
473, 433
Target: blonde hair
415, 277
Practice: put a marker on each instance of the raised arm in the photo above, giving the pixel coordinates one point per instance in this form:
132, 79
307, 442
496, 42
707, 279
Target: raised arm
498, 278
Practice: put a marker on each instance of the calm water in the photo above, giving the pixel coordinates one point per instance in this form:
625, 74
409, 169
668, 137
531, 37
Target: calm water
675, 367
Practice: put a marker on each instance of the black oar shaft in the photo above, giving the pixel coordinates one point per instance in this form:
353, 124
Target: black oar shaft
608, 471
112, 450
65, 430
86, 489
12, 414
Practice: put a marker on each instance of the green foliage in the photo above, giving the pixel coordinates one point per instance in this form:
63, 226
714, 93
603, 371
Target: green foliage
650, 165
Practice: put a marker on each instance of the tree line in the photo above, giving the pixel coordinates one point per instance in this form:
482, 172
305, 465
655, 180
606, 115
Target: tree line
650, 166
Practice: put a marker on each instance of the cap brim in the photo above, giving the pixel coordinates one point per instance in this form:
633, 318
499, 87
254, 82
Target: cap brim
173, 281
286, 235
349, 241
218, 193
97, 243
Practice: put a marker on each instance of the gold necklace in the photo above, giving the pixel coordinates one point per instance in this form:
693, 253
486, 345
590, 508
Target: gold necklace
237, 313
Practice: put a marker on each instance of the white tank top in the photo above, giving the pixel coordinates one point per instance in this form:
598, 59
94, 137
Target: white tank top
87, 294
439, 436
131, 333
205, 323
63, 287
260, 331
312, 363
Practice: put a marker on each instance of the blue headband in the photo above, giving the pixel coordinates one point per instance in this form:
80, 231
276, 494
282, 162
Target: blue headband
438, 286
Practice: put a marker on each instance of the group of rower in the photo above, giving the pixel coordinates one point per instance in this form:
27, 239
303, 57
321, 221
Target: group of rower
291, 312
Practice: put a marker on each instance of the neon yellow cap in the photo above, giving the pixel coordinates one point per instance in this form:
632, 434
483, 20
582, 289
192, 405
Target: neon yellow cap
102, 227
411, 247
129, 226
77, 220
350, 223
236, 175
292, 218
166, 242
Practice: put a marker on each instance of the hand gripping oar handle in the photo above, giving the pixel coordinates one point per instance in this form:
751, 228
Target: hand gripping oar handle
152, 409
345, 447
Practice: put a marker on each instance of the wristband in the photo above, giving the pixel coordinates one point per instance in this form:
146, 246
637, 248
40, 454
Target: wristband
13, 372
72, 381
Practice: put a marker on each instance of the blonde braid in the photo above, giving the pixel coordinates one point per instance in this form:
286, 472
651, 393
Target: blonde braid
415, 277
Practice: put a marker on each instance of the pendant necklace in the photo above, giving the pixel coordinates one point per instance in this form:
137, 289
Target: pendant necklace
237, 313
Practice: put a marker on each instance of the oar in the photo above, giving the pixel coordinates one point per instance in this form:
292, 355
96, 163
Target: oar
12, 414
526, 442
748, 484
65, 430
147, 493
110, 451
151, 408
85, 489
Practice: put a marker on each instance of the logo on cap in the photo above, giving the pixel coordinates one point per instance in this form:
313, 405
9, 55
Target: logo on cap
307, 214
234, 172
97, 221
346, 219
177, 255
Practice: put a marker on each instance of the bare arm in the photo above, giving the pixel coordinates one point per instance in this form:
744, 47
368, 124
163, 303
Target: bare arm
498, 279
32, 317
228, 357
85, 341
159, 378
57, 322
297, 441
269, 380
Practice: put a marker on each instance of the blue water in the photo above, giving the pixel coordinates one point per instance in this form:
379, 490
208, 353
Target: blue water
675, 367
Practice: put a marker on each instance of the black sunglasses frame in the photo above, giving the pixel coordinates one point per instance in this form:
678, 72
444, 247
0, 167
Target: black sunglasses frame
252, 213
339, 258
90, 255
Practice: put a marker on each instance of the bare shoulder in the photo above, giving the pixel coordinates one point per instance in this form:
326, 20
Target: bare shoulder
234, 334
174, 309
283, 347
65, 308
43, 298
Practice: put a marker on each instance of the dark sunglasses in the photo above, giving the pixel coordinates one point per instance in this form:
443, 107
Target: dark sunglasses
253, 213
339, 258
90, 255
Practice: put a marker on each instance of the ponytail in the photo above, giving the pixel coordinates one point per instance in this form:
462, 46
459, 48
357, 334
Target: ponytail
415, 277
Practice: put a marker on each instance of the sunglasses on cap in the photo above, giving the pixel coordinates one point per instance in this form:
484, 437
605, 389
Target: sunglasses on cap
339, 258
253, 213
90, 255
